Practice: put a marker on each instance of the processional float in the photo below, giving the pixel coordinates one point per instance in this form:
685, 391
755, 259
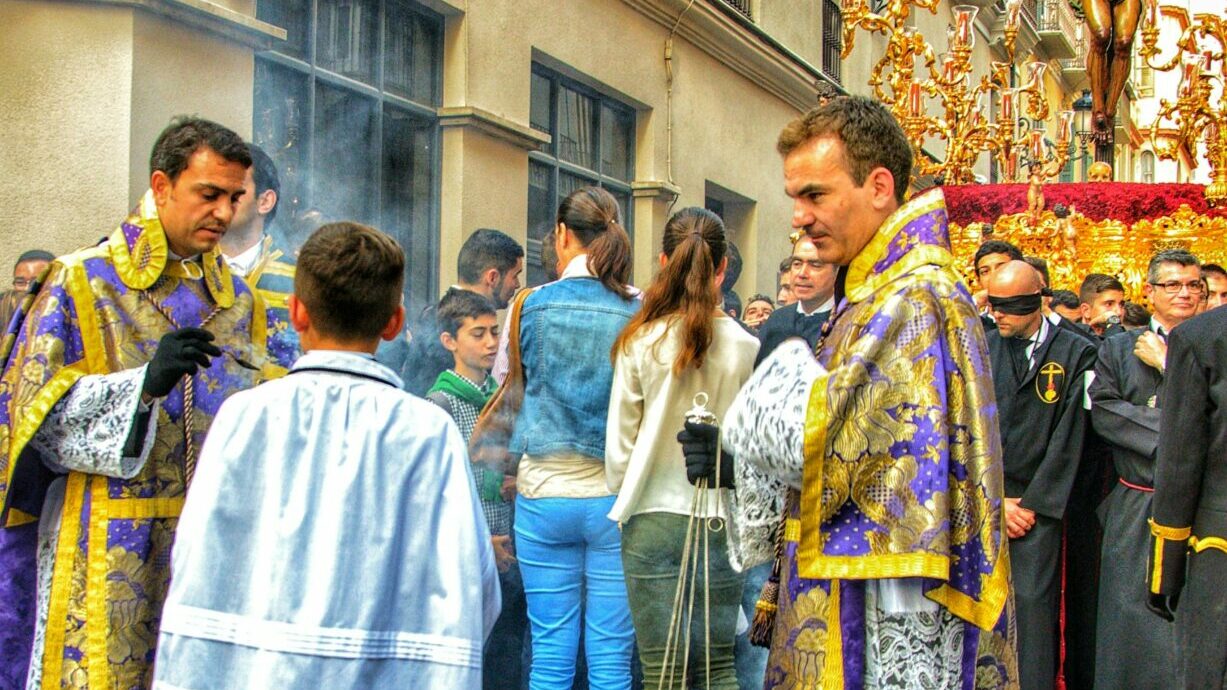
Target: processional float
1079, 228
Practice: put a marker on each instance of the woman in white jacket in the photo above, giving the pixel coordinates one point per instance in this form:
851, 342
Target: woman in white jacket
678, 345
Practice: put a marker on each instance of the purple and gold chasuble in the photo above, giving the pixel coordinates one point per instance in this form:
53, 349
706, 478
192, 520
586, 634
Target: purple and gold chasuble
111, 549
902, 479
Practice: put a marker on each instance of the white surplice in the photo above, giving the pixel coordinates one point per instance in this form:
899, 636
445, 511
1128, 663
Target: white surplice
331, 538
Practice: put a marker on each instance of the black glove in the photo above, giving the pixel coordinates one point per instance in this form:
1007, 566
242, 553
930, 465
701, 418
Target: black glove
1163, 605
179, 354
699, 448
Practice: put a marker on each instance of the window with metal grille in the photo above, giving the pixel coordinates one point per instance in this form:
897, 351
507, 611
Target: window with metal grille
741, 6
592, 143
1148, 166
346, 107
832, 30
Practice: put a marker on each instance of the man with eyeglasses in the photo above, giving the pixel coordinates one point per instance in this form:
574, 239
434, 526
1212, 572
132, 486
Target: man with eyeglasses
1038, 374
29, 267
813, 286
1135, 649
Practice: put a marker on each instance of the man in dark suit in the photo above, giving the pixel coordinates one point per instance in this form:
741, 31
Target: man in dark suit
1039, 372
813, 285
1133, 648
1190, 500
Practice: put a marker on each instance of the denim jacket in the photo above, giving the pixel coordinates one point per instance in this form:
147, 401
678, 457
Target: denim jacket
567, 329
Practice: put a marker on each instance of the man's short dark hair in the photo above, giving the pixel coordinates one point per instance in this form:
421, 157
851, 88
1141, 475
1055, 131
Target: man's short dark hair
486, 249
350, 278
1212, 269
760, 297
1095, 283
732, 303
264, 173
1039, 265
1169, 256
1065, 298
34, 255
1136, 316
185, 136
733, 271
996, 247
785, 266
871, 136
459, 304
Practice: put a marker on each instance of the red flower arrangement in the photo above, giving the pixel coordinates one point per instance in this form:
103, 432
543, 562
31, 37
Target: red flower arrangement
1128, 202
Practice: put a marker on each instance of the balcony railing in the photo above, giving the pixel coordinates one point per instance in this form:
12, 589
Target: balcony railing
832, 33
1077, 63
742, 7
1057, 28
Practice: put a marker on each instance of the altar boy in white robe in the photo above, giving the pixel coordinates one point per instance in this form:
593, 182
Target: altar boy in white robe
332, 536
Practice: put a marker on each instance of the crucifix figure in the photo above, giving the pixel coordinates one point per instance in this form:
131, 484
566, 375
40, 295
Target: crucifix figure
1112, 25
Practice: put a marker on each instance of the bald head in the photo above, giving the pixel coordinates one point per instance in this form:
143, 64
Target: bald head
1015, 278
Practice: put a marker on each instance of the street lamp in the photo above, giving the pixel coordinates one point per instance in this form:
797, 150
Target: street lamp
1083, 126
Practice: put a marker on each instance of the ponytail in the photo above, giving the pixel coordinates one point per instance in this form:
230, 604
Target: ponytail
685, 287
592, 214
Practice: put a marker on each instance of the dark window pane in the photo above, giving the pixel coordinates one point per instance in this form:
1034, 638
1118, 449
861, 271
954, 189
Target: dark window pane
576, 125
408, 186
426, 53
398, 50
542, 210
280, 128
568, 183
616, 138
345, 156
291, 15
624, 211
346, 37
539, 111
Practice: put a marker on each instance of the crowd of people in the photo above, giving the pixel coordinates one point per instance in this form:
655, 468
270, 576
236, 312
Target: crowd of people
881, 477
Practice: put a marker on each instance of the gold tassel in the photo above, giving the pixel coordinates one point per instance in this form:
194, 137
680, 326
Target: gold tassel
764, 613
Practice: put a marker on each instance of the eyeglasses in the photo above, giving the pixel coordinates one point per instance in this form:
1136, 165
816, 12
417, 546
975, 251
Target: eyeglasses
22, 283
1172, 287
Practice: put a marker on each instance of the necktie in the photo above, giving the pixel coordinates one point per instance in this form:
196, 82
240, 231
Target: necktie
1019, 358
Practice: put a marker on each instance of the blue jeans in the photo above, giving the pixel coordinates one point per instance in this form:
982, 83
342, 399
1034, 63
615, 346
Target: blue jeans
751, 661
569, 549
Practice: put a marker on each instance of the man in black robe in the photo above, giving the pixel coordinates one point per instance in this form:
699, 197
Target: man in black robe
1134, 649
1190, 500
813, 285
1038, 375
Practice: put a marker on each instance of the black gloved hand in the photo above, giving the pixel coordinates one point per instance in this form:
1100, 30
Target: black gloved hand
699, 448
179, 353
1163, 605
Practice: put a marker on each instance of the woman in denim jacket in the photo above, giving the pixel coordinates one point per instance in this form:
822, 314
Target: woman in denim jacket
567, 547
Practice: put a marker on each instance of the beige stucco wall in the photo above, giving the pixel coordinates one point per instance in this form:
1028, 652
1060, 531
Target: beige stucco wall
87, 87
724, 125
65, 72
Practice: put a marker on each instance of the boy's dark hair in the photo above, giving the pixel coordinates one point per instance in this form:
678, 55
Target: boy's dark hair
785, 267
1040, 265
1212, 269
732, 271
459, 304
732, 303
996, 247
1065, 298
486, 249
871, 136
185, 136
350, 278
1095, 283
1136, 316
42, 255
264, 174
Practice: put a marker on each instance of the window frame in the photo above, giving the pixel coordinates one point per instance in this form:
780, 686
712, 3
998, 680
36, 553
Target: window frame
547, 154
380, 97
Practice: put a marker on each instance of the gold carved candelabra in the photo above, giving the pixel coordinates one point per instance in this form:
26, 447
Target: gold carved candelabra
960, 119
1198, 110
